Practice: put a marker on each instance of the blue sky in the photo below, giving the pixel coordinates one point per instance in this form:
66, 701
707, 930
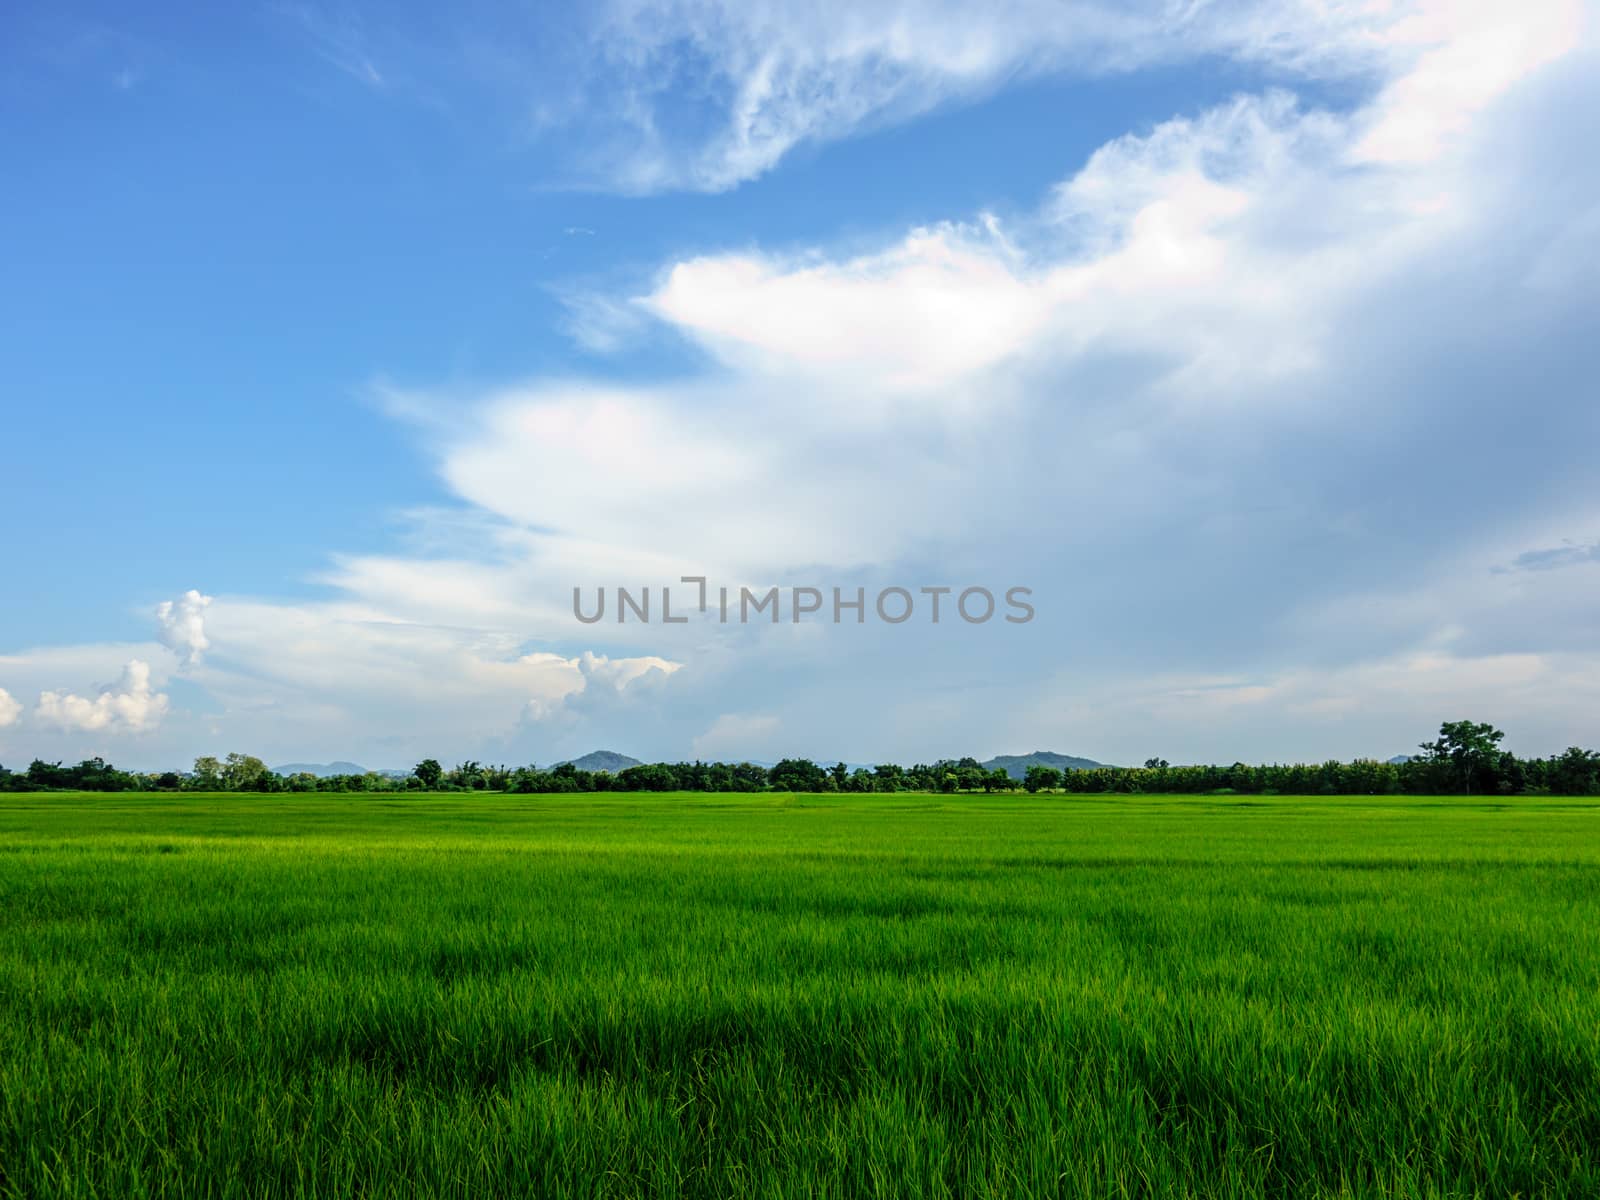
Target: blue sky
1253, 338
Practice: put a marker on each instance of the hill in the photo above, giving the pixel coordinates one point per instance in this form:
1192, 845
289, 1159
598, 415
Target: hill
1016, 765
603, 760
321, 770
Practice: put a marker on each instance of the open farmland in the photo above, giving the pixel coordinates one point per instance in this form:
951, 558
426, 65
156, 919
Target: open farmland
781, 995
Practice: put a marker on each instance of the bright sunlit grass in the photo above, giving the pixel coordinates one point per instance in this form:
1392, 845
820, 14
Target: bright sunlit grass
798, 995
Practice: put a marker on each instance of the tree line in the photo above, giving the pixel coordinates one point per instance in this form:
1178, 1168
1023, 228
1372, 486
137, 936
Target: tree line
1465, 759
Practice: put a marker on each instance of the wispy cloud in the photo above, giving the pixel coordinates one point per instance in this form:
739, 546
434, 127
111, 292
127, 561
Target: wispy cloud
647, 96
339, 36
712, 93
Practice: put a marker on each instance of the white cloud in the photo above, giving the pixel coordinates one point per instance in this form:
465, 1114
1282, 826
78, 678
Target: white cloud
10, 709
853, 398
631, 486
767, 77
1220, 242
359, 677
1472, 51
648, 95
775, 77
868, 317
619, 673
131, 705
83, 667
182, 626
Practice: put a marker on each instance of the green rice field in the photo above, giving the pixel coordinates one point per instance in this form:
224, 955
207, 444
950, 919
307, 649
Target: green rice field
792, 996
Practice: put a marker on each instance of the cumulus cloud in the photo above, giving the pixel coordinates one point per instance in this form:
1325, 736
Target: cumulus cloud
1213, 265
622, 672
182, 626
697, 479
870, 316
1220, 242
131, 705
600, 680
10, 709
1212, 356
615, 691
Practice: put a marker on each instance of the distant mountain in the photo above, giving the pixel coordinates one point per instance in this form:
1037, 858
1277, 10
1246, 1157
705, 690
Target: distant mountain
323, 770
1016, 765
603, 760
1400, 758
825, 764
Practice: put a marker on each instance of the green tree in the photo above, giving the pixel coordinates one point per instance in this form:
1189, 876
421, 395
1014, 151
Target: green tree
1575, 773
207, 774
243, 773
430, 773
970, 777
797, 775
1041, 779
889, 777
1470, 750
748, 777
467, 775
648, 777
